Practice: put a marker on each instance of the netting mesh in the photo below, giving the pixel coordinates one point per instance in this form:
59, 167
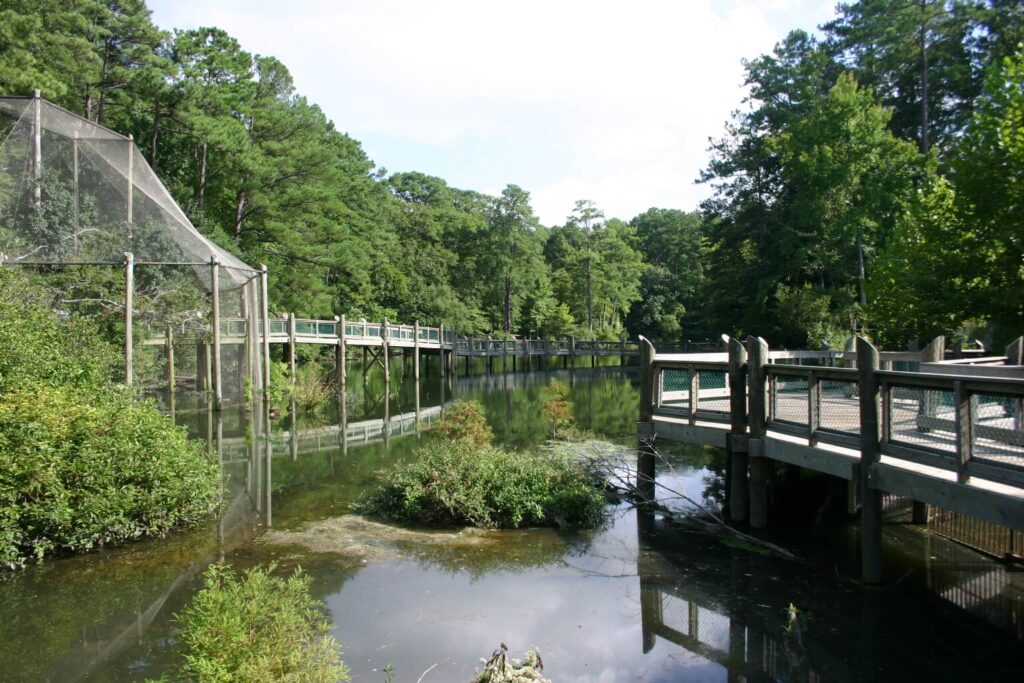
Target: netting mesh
75, 200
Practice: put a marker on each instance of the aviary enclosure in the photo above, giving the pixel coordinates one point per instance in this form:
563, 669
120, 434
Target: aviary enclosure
82, 210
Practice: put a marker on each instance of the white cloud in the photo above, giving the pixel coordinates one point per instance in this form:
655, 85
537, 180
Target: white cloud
598, 100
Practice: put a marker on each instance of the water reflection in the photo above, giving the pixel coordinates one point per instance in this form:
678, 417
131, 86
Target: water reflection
638, 600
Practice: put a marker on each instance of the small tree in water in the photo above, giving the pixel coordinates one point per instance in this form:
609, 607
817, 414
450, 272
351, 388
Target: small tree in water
465, 421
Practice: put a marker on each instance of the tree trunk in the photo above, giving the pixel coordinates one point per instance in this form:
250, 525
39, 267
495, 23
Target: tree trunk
923, 45
239, 214
156, 133
508, 303
860, 271
202, 175
590, 299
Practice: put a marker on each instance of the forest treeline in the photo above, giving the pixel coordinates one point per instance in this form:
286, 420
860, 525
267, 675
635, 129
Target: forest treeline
873, 178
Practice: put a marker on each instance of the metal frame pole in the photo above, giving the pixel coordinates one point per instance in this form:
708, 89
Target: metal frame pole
215, 290
129, 291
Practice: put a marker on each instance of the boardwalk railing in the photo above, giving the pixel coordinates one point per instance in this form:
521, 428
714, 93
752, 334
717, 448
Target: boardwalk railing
945, 433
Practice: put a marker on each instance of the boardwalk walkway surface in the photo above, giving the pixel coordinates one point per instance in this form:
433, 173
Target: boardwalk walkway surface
947, 434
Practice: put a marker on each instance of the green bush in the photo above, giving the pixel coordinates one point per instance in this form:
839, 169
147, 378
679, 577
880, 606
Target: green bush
81, 463
258, 628
457, 482
80, 469
465, 421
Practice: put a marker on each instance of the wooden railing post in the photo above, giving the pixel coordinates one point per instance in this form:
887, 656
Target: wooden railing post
440, 341
1015, 356
870, 452
647, 354
645, 455
736, 444
757, 358
963, 427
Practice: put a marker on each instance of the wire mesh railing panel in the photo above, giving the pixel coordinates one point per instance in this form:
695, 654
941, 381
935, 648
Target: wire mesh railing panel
788, 399
675, 613
675, 388
923, 418
839, 406
714, 392
996, 430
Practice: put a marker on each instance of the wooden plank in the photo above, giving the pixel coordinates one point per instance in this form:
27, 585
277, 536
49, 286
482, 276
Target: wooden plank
778, 448
700, 433
993, 506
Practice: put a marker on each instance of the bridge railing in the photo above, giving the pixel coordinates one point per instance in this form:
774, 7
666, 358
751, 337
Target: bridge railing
694, 389
968, 425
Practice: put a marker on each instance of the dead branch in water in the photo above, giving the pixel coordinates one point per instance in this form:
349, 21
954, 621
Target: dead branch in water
632, 491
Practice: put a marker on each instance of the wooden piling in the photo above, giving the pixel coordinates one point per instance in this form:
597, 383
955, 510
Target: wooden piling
339, 354
757, 358
416, 352
737, 443
384, 355
291, 346
870, 452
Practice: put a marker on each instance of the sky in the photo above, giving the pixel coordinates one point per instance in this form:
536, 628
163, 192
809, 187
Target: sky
613, 102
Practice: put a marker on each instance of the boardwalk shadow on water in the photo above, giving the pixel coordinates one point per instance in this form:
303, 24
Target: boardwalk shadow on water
637, 600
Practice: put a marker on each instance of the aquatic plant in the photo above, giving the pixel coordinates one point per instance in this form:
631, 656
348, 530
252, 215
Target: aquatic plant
558, 411
458, 482
465, 421
502, 669
258, 628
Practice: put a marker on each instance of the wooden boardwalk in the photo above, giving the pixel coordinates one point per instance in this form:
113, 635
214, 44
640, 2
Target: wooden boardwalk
945, 434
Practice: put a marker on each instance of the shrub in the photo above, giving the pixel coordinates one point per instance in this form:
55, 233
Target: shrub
82, 464
457, 483
80, 469
258, 628
465, 421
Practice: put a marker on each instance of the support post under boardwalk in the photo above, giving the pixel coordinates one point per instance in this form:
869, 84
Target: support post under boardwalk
870, 451
757, 358
218, 392
737, 443
129, 294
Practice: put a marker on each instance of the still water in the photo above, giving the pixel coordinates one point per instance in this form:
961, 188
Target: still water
638, 600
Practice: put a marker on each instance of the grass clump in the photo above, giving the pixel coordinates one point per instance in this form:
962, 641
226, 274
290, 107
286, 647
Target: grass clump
465, 421
82, 464
258, 628
457, 483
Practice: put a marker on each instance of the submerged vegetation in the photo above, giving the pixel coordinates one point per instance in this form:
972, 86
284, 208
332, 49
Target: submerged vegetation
82, 464
258, 627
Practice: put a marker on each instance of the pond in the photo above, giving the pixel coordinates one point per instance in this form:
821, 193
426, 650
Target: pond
640, 599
